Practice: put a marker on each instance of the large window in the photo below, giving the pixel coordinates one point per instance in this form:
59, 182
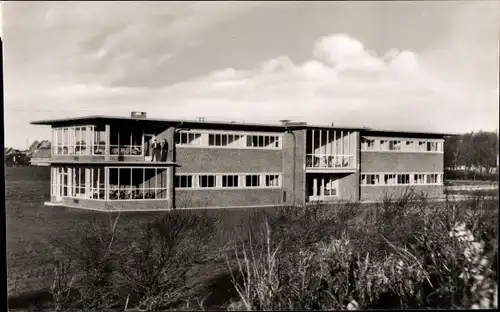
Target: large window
262, 141
79, 186
78, 182
390, 179
223, 139
184, 181
99, 140
330, 186
72, 140
402, 145
137, 183
370, 179
419, 178
206, 180
126, 142
272, 180
188, 138
228, 180
402, 179
79, 140
394, 145
252, 180
367, 145
208, 138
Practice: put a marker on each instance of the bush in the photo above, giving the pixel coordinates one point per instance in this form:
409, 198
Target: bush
399, 251
470, 175
144, 265
396, 254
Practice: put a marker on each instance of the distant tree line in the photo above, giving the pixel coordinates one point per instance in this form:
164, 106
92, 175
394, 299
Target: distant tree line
473, 153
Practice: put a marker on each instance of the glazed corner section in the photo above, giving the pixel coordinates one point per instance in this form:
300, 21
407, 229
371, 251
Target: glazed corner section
110, 188
108, 167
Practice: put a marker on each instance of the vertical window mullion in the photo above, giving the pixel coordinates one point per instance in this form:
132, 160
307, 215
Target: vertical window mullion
155, 188
313, 145
335, 152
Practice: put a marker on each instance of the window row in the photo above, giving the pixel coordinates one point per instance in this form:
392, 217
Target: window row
91, 140
401, 145
247, 180
402, 179
229, 140
123, 183
81, 140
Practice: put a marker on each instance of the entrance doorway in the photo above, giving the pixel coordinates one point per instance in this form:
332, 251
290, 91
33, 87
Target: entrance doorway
61, 183
322, 186
148, 141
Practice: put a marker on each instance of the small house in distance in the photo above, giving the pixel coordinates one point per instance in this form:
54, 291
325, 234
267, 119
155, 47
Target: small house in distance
139, 163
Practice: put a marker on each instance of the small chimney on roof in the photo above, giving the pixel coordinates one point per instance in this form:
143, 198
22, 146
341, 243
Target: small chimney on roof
200, 118
333, 124
138, 114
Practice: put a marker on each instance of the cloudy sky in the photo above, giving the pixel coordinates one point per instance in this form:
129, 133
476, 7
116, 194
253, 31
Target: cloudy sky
426, 66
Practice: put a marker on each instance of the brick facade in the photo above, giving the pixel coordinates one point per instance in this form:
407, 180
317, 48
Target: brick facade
290, 161
379, 192
401, 162
227, 198
221, 160
296, 196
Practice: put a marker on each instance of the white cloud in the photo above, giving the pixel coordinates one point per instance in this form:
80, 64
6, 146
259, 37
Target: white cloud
342, 83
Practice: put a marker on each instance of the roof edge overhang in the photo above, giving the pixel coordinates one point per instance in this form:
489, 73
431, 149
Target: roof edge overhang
116, 163
197, 124
388, 133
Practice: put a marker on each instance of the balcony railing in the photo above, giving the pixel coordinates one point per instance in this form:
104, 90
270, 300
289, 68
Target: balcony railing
330, 161
134, 150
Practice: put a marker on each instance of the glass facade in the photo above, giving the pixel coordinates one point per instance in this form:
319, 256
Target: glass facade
123, 183
91, 140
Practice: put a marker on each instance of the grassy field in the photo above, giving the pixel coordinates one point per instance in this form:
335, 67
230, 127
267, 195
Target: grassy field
35, 231
201, 247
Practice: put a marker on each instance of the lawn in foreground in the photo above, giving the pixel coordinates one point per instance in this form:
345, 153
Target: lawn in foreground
34, 232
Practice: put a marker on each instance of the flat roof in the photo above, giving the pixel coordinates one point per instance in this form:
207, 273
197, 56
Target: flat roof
227, 124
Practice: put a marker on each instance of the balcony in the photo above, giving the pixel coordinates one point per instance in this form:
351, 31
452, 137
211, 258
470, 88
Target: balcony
322, 162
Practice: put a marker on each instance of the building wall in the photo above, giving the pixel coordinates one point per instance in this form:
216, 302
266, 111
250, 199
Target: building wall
288, 167
221, 160
227, 160
379, 192
137, 205
401, 162
115, 205
169, 135
84, 203
347, 186
227, 198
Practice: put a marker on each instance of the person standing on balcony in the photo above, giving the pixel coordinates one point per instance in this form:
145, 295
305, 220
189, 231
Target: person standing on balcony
164, 150
157, 151
154, 147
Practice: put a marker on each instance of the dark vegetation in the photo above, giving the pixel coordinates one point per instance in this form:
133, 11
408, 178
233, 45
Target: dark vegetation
396, 254
472, 156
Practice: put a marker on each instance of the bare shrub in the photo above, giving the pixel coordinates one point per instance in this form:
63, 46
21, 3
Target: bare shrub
83, 273
154, 271
414, 264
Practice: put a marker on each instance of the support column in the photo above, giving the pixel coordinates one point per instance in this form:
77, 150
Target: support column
357, 160
88, 186
170, 187
106, 183
107, 140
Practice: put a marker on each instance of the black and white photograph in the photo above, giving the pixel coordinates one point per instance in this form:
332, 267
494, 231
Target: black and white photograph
250, 155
